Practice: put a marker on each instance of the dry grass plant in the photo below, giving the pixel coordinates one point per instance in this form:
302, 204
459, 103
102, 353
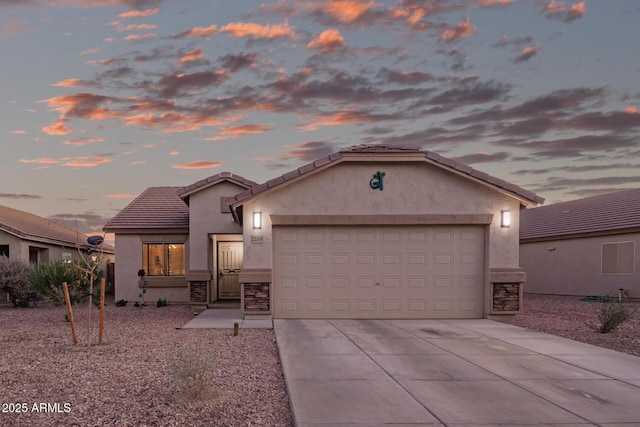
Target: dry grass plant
193, 372
612, 314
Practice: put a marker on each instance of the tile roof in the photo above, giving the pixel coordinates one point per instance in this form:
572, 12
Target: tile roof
156, 207
385, 150
166, 207
32, 227
618, 211
212, 180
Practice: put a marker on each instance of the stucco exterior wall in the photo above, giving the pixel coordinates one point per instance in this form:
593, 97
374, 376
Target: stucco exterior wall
574, 267
129, 250
16, 249
19, 249
409, 188
206, 218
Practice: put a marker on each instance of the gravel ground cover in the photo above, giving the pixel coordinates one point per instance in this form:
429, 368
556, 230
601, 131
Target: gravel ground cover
129, 379
568, 317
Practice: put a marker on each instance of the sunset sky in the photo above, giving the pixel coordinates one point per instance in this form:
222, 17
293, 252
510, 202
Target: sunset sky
101, 99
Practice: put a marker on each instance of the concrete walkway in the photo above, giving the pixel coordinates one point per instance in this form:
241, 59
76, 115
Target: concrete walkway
453, 373
222, 318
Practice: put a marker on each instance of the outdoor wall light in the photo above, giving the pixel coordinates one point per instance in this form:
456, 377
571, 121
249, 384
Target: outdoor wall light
257, 220
505, 219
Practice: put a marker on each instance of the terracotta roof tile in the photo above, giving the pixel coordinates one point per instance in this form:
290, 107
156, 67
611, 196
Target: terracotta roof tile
28, 226
275, 181
156, 207
604, 213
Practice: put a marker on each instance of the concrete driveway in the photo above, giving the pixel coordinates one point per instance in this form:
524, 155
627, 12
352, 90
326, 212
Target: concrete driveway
451, 372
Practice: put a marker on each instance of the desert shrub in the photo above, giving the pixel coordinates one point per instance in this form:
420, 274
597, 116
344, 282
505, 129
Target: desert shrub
193, 373
47, 278
612, 314
14, 281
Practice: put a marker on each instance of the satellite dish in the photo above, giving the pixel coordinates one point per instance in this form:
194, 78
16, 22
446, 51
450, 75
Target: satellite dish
95, 240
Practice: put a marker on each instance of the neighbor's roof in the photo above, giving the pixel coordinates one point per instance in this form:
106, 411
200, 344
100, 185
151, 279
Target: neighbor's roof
35, 228
156, 207
165, 207
612, 212
439, 160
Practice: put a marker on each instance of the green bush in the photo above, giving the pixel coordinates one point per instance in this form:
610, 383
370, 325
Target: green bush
612, 314
14, 281
47, 279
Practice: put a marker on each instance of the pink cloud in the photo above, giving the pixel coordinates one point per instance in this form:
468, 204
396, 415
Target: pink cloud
192, 55
75, 83
174, 122
488, 3
86, 161
200, 164
58, 128
328, 40
269, 31
527, 53
84, 141
41, 161
18, 132
135, 27
459, 31
198, 32
347, 11
140, 37
560, 10
139, 13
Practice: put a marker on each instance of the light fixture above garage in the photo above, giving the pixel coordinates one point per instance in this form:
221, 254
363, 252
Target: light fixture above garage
505, 219
257, 220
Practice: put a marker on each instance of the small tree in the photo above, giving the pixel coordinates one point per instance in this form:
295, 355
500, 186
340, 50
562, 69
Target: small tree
14, 281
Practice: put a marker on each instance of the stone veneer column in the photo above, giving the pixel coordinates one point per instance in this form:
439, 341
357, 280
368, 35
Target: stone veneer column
506, 293
199, 288
256, 291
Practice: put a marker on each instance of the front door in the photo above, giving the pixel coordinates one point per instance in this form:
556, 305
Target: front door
229, 265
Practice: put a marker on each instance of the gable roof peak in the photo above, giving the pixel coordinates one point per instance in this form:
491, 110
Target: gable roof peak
214, 179
379, 148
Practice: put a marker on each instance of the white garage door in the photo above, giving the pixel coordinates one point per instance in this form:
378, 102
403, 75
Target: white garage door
388, 272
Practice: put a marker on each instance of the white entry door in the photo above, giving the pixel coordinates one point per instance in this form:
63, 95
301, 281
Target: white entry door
229, 266
378, 272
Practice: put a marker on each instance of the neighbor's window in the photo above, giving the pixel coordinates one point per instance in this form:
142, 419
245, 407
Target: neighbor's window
163, 259
618, 258
4, 250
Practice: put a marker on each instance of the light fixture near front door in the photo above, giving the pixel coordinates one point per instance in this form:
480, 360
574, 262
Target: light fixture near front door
257, 220
505, 219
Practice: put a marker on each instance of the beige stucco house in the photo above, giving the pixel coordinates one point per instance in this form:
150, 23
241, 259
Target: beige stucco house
367, 232
584, 247
34, 239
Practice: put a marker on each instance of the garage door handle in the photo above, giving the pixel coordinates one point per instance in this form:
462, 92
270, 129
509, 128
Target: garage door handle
377, 283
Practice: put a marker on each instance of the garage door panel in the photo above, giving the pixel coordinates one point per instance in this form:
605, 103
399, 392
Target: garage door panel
383, 272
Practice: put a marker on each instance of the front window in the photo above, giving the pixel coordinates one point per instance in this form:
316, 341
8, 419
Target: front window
163, 259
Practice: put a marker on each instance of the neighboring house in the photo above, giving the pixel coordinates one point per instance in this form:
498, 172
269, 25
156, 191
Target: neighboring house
368, 232
583, 247
36, 240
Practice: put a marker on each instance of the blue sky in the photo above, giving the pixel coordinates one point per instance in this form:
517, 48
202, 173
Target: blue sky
101, 99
